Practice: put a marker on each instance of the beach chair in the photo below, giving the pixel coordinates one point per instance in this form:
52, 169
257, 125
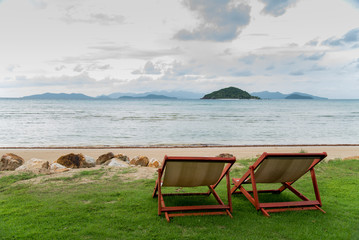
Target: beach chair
192, 172
283, 168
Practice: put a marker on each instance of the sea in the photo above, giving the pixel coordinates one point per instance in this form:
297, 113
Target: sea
138, 122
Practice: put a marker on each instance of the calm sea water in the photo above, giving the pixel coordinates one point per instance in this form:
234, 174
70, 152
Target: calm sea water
43, 123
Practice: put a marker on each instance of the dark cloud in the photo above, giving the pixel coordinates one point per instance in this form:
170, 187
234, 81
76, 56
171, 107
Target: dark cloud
219, 20
350, 37
277, 7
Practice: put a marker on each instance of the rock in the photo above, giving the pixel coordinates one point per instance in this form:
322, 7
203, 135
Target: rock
10, 162
90, 161
58, 168
35, 165
140, 161
104, 158
225, 155
123, 157
76, 161
115, 162
154, 163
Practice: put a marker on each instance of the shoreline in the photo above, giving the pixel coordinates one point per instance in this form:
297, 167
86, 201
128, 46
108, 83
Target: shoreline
183, 146
158, 152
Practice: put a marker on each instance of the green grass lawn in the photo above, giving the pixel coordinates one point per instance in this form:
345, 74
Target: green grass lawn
109, 208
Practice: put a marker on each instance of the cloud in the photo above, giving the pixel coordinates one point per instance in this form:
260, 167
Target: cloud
219, 20
59, 68
277, 8
78, 14
313, 43
249, 59
350, 37
245, 73
297, 73
38, 4
313, 57
354, 2
149, 68
78, 68
91, 67
112, 51
43, 81
12, 67
316, 67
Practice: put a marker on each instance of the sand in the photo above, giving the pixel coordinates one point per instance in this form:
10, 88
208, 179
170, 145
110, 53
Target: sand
137, 172
240, 152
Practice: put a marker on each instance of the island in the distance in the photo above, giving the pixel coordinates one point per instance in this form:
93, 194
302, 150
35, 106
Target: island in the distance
229, 93
150, 96
297, 96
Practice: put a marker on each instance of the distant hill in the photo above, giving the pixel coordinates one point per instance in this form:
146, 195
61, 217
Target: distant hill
269, 95
150, 96
229, 93
297, 96
175, 94
77, 96
278, 95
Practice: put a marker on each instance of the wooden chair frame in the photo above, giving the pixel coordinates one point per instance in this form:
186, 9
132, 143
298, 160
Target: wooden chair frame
175, 211
266, 208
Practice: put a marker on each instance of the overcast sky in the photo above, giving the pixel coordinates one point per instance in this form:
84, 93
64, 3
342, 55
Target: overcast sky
103, 46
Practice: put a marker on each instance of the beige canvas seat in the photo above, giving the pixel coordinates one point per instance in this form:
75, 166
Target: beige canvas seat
193, 172
283, 168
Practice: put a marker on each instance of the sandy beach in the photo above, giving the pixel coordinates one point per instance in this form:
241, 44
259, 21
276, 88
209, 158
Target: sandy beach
240, 152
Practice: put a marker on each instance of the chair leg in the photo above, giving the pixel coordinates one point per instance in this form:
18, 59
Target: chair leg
229, 195
254, 186
315, 185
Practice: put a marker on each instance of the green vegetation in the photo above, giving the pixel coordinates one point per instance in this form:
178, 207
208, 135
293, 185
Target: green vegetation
229, 93
109, 208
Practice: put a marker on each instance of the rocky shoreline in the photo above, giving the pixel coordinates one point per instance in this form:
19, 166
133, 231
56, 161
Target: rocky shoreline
13, 162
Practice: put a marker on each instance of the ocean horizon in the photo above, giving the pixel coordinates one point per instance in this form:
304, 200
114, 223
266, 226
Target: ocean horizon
136, 122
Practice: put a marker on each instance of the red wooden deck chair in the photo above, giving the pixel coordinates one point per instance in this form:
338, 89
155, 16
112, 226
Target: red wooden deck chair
284, 168
193, 172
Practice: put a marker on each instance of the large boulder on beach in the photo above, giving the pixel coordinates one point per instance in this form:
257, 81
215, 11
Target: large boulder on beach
76, 161
140, 161
115, 162
35, 165
225, 155
58, 168
154, 163
104, 158
123, 157
10, 161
